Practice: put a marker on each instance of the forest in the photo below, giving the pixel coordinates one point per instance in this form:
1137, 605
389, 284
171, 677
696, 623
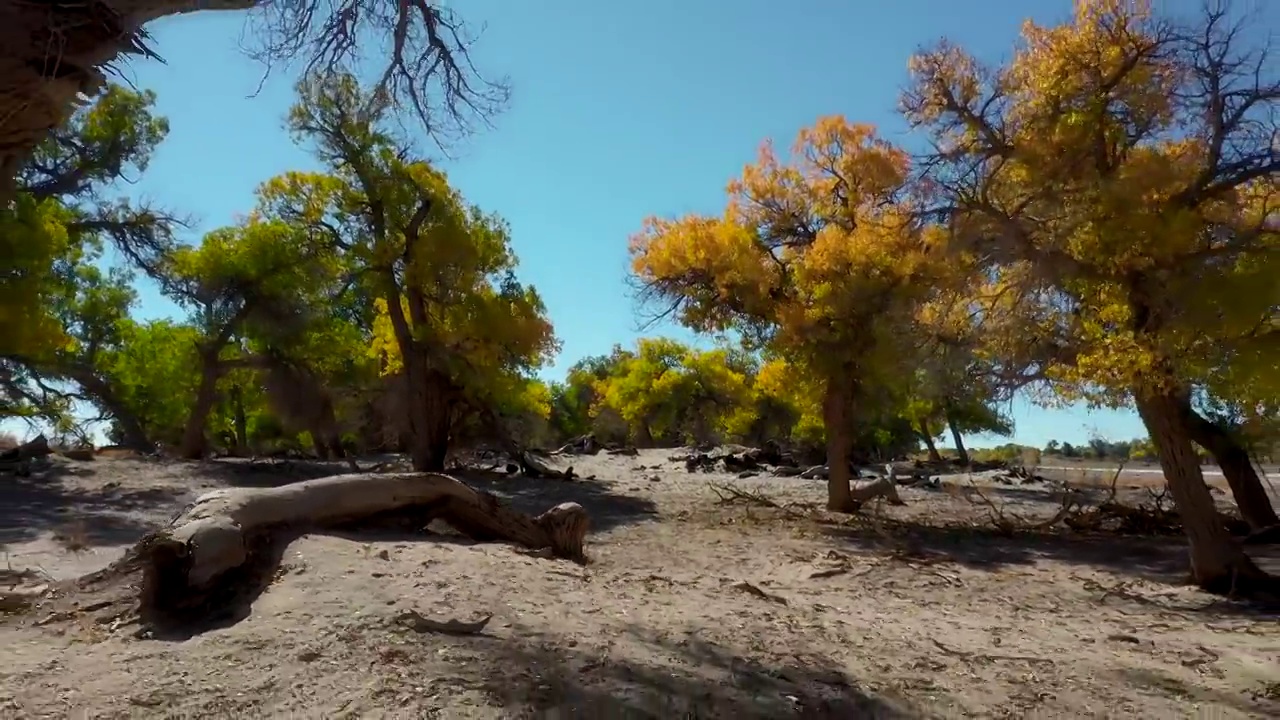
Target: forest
1076, 233
1093, 220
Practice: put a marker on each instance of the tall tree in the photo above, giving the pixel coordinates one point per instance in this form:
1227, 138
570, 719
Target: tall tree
1119, 176
451, 318
63, 309
822, 259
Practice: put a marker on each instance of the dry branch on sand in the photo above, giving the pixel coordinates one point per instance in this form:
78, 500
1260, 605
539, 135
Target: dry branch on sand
862, 494
18, 459
207, 556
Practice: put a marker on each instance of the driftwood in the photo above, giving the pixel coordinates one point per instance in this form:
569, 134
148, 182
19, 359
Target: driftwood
187, 567
862, 494
18, 459
39, 447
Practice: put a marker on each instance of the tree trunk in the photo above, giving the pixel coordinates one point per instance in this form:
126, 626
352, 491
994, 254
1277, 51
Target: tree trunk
193, 440
643, 437
193, 564
961, 453
926, 434
1218, 564
430, 416
1237, 467
835, 417
133, 434
241, 422
36, 95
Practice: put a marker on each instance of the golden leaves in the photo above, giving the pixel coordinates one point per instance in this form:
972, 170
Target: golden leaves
814, 249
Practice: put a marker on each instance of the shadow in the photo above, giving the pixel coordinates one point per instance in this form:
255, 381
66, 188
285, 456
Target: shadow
1157, 559
1164, 685
608, 510
236, 472
108, 515
541, 677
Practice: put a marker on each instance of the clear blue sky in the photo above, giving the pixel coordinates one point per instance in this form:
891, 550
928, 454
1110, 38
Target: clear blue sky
620, 110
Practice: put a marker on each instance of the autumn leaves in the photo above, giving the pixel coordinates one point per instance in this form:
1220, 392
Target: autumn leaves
1100, 211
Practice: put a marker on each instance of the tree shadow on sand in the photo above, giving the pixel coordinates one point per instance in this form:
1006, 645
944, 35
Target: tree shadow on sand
46, 502
688, 677
1160, 560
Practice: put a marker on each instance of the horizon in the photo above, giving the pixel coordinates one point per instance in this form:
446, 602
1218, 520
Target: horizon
632, 111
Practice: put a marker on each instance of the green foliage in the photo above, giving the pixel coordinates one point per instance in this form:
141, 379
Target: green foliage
154, 372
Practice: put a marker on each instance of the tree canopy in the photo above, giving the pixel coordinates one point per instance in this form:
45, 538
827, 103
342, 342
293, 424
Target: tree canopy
1095, 219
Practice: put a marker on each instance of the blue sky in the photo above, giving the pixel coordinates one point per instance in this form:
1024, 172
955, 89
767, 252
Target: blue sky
620, 110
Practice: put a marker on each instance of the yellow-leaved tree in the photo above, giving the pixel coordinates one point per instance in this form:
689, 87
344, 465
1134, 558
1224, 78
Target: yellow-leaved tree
669, 390
450, 320
1118, 176
822, 258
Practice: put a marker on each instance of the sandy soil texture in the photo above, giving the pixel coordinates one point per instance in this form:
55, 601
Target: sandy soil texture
693, 606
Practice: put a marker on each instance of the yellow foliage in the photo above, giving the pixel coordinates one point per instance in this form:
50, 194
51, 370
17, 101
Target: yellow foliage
797, 391
1126, 255
32, 235
822, 256
666, 388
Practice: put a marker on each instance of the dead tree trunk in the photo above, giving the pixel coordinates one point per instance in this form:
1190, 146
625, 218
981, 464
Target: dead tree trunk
188, 565
1218, 564
37, 95
1237, 467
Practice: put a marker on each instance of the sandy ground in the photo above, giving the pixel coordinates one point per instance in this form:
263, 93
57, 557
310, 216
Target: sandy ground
691, 608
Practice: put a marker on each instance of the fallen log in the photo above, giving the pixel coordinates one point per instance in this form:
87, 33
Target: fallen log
18, 460
214, 541
38, 447
881, 487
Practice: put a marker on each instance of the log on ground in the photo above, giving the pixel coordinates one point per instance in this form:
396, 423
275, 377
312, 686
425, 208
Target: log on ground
881, 487
187, 566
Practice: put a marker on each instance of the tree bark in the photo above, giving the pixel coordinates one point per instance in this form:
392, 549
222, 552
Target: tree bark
133, 434
37, 95
189, 565
1218, 564
961, 453
1237, 467
241, 422
643, 437
193, 439
926, 434
835, 417
430, 416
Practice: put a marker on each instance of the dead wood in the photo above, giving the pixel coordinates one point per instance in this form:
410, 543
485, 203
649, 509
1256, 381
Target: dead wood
581, 445
862, 494
417, 622
39, 447
193, 568
18, 460
750, 589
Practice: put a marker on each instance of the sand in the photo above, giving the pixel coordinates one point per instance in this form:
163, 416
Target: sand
691, 607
